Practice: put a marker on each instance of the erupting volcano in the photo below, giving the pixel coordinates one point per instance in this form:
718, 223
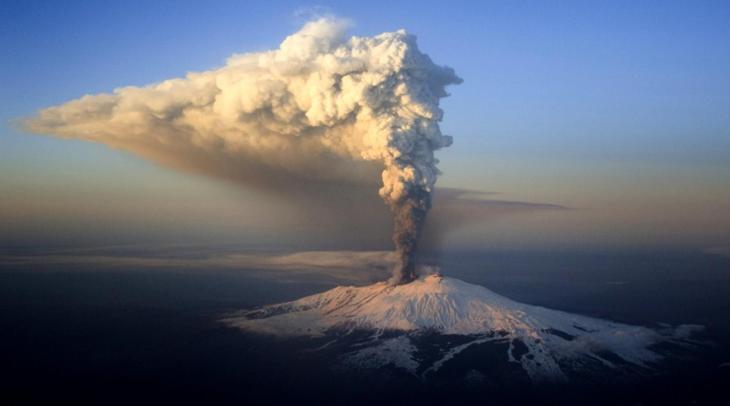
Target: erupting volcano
316, 109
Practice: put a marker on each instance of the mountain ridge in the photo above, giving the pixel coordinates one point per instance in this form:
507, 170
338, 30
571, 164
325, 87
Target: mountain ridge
548, 339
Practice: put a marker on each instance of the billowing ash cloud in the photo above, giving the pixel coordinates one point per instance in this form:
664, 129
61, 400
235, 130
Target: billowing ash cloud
317, 108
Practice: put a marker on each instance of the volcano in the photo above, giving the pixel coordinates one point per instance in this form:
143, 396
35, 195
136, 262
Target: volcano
544, 342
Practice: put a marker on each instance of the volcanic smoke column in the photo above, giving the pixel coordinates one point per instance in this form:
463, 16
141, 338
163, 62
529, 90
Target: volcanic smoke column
306, 110
413, 134
409, 214
408, 181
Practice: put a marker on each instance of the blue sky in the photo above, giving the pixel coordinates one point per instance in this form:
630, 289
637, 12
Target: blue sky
620, 107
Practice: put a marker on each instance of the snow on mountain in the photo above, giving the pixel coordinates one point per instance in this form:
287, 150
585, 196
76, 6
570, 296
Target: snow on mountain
450, 306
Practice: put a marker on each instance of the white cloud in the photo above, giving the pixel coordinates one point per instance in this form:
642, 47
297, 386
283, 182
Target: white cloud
308, 108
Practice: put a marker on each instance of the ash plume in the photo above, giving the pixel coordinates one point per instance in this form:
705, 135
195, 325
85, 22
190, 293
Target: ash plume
409, 215
322, 107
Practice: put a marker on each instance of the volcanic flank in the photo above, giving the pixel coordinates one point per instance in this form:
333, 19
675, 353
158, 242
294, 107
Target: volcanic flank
433, 304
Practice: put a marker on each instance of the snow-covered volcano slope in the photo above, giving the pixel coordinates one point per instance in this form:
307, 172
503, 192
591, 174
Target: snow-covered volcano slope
443, 305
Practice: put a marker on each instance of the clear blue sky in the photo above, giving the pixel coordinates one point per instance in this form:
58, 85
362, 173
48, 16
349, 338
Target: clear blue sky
619, 108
